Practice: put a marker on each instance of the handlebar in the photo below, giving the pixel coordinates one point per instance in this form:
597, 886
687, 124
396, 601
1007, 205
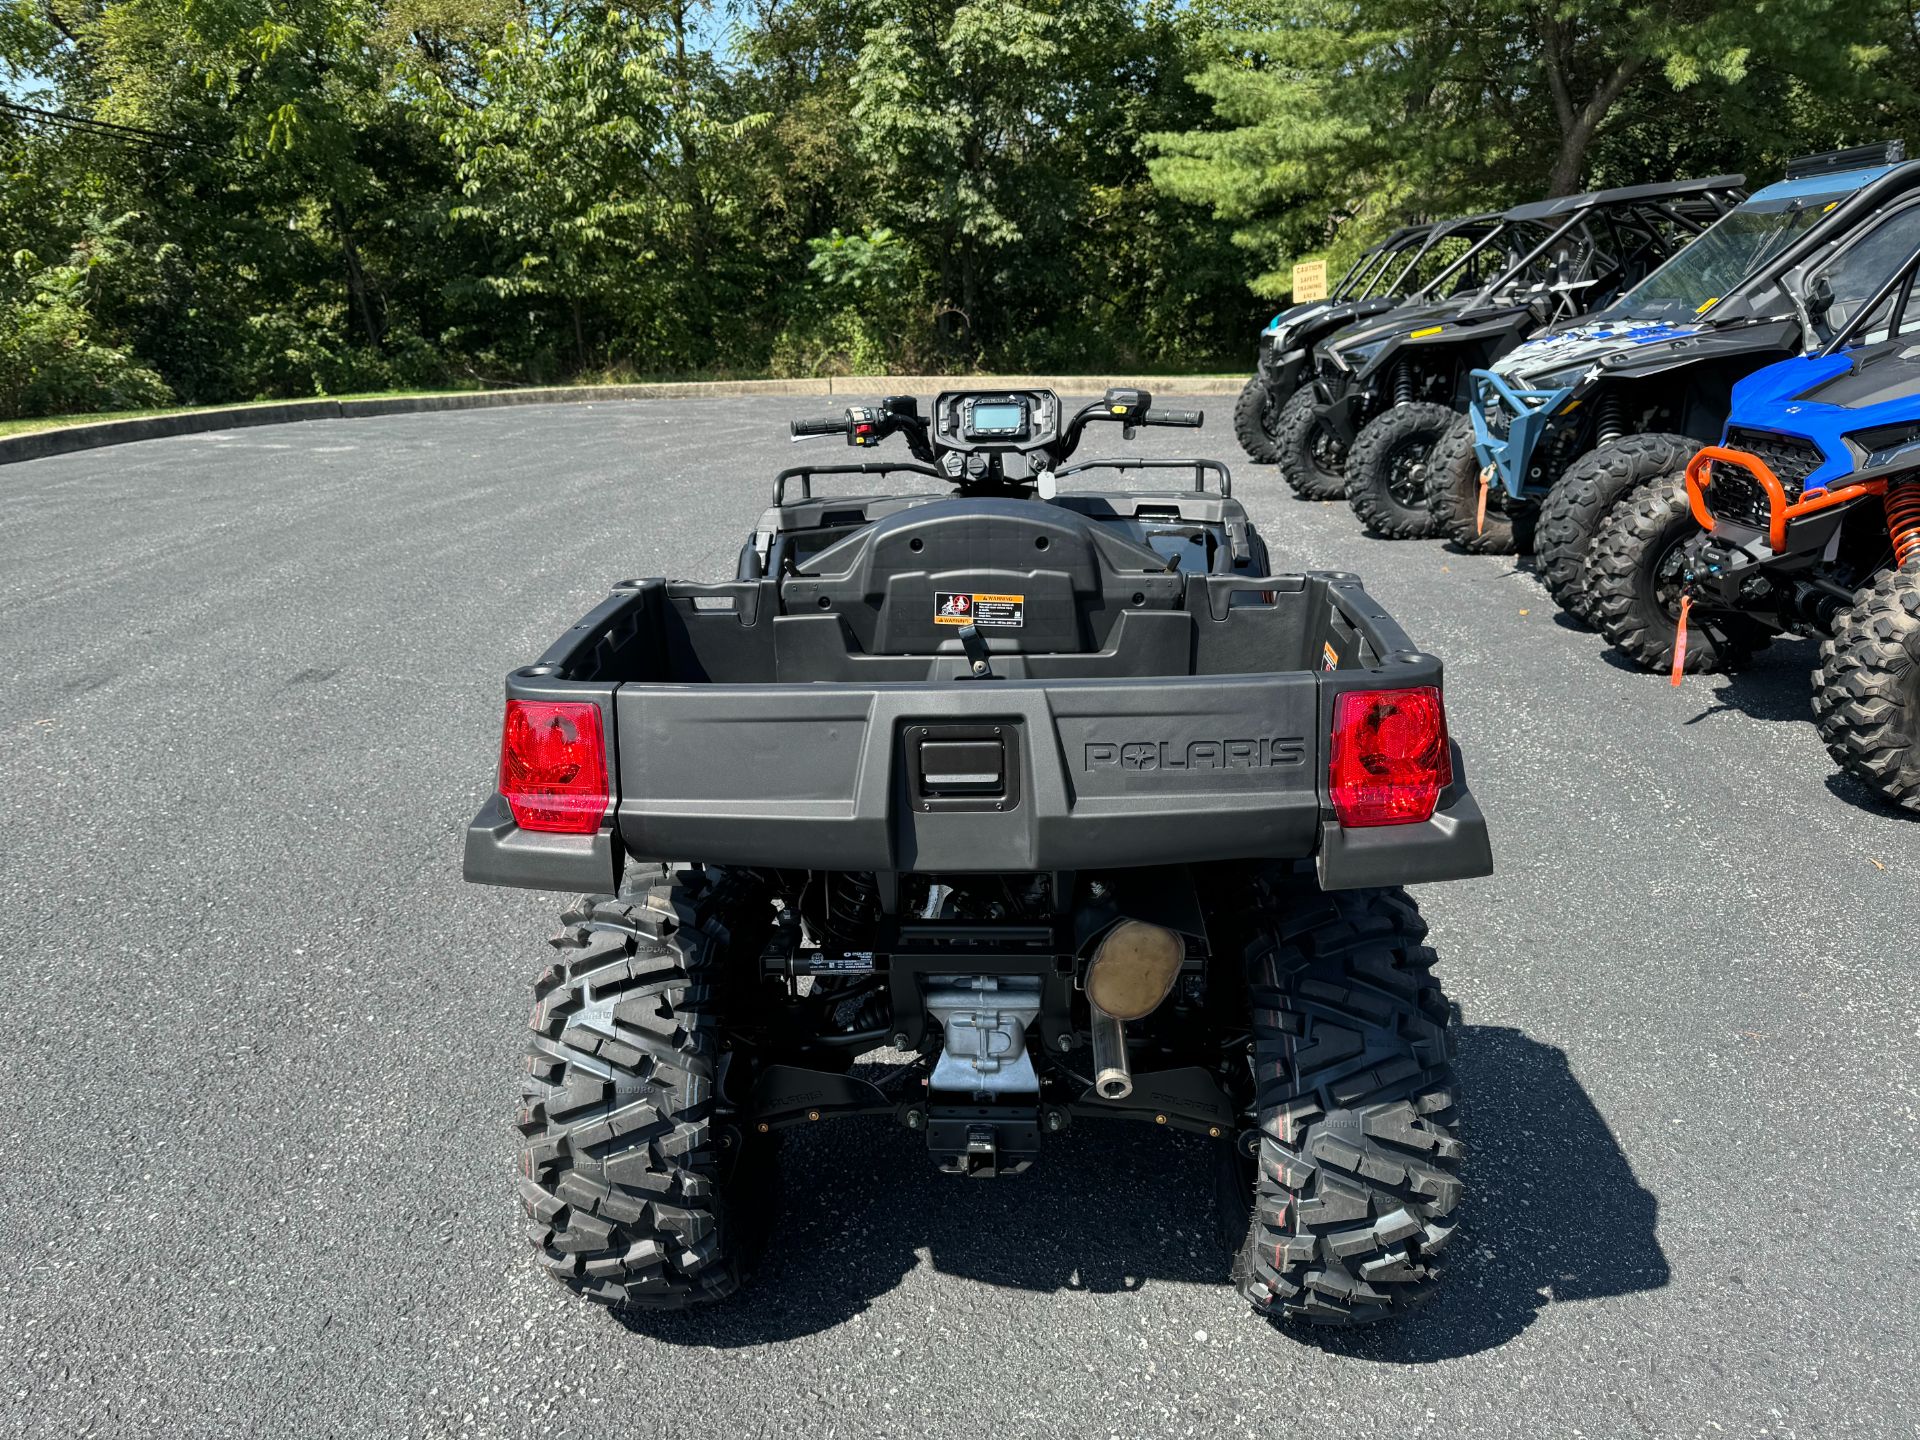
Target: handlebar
866, 426
823, 425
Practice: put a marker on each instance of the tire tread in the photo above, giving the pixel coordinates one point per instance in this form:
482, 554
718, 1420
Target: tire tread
1866, 687
618, 1163
1358, 1170
1366, 472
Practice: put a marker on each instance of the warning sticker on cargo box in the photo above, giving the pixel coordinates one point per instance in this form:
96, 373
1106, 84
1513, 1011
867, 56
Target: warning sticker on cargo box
1330, 655
951, 607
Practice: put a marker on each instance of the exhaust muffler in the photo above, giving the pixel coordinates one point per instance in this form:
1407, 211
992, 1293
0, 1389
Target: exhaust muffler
1112, 1075
1131, 973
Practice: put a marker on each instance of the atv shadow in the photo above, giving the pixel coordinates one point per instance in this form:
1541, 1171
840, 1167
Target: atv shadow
1554, 1213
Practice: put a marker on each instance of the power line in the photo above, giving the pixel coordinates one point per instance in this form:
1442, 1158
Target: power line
134, 133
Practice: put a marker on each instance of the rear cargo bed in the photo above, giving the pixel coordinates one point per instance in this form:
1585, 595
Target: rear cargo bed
1198, 732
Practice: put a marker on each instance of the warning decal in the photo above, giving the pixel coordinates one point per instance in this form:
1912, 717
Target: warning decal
1330, 655
953, 607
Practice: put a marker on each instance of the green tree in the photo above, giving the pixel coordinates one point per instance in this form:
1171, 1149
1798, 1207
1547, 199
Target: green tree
1335, 111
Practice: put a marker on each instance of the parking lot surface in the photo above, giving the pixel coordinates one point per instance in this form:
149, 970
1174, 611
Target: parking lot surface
264, 1046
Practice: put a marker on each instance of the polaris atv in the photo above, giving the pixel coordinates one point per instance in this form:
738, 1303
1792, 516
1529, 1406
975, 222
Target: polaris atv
1396, 391
1406, 266
1805, 518
1567, 425
1054, 803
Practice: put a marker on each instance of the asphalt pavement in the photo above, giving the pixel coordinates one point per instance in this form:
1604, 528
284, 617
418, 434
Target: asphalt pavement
263, 1046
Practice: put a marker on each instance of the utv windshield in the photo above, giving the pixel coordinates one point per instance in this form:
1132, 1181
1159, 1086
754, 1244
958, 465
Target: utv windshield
1741, 241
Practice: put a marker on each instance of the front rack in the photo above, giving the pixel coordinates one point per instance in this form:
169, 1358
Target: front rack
1200, 468
805, 473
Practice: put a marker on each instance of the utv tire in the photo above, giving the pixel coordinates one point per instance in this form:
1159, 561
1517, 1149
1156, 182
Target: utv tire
1634, 599
1256, 420
1866, 690
624, 1174
1583, 497
1311, 460
1358, 1168
1453, 495
1388, 468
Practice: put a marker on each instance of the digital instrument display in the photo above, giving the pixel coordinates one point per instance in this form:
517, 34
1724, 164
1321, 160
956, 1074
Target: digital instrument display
993, 421
998, 419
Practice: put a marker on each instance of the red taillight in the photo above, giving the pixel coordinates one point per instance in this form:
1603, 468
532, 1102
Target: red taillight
1390, 759
553, 766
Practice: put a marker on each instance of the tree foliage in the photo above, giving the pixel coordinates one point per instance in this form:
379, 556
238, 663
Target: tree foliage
1334, 117
285, 197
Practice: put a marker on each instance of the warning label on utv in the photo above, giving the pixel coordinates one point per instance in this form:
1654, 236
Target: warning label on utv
951, 607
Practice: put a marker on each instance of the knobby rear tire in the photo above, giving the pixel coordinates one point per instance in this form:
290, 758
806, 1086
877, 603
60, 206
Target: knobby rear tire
1358, 1169
625, 1179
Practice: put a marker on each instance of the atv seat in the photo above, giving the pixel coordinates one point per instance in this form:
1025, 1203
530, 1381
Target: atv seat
1037, 578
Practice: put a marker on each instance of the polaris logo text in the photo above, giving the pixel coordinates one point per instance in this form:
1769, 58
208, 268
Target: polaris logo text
1196, 754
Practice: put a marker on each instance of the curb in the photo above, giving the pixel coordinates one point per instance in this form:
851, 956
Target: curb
39, 444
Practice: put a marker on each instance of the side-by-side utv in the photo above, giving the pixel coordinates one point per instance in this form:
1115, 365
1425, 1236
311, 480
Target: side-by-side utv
1413, 263
1402, 387
1805, 519
1568, 425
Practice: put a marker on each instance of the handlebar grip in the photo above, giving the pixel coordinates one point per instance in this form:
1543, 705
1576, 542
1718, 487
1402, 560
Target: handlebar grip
1186, 419
823, 425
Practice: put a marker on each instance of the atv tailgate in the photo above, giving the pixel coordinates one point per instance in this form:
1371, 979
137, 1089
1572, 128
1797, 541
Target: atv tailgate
1009, 774
971, 776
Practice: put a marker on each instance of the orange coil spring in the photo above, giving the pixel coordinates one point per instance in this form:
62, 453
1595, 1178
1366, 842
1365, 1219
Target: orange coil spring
1903, 519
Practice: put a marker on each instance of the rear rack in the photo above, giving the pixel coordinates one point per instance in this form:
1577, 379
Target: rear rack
804, 473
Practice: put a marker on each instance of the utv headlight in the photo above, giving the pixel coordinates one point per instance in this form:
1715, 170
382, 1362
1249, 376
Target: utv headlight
1564, 379
1884, 445
1354, 358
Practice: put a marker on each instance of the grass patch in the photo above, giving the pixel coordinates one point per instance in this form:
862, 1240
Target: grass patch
61, 422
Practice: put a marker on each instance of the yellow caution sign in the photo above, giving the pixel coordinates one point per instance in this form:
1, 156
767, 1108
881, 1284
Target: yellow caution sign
1310, 281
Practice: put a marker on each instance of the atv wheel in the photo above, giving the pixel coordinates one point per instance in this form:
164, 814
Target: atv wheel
1359, 1161
1453, 494
1256, 419
1634, 581
1582, 498
624, 1171
1311, 460
1387, 470
1866, 691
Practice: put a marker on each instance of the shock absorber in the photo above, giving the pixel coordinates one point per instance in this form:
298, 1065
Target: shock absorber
1402, 384
1902, 504
852, 903
1610, 426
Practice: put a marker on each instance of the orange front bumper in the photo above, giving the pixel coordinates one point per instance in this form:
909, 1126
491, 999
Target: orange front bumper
1780, 510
